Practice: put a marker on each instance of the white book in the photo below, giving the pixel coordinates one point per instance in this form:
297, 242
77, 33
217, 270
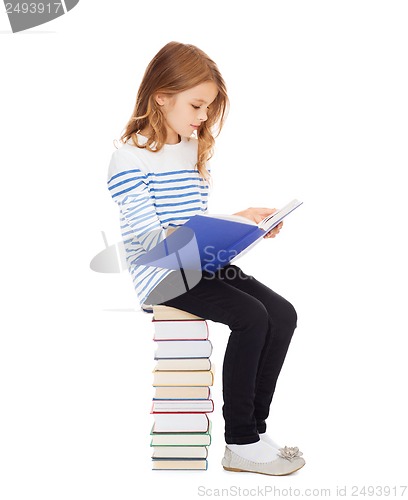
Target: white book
183, 349
180, 329
183, 406
180, 452
180, 422
179, 464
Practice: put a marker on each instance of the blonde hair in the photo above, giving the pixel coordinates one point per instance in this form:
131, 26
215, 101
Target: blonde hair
175, 68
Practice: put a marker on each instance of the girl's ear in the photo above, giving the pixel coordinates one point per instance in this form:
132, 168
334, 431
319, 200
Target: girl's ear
160, 99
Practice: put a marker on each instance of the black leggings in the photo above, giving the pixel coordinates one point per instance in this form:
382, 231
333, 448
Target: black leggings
262, 324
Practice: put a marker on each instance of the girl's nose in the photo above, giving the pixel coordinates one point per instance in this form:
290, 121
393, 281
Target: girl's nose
202, 116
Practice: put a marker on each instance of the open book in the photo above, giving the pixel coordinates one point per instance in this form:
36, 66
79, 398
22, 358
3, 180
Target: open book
269, 222
266, 224
225, 238
209, 242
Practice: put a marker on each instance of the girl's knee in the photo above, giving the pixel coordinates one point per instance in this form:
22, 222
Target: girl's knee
254, 317
283, 313
290, 315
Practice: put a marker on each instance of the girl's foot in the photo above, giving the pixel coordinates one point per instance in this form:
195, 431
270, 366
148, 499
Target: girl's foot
279, 449
288, 460
267, 439
255, 452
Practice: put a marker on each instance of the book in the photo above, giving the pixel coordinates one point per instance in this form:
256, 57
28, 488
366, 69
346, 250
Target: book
195, 329
182, 392
269, 222
209, 242
181, 438
171, 313
180, 452
183, 378
179, 464
180, 422
183, 364
183, 349
183, 406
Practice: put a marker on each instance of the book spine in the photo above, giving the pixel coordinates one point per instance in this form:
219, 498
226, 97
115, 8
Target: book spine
193, 349
186, 378
186, 410
173, 330
182, 397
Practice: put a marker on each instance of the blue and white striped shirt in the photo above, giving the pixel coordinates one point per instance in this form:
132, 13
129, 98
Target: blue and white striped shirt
154, 191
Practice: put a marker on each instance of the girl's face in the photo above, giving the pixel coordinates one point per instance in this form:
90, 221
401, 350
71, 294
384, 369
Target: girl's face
186, 111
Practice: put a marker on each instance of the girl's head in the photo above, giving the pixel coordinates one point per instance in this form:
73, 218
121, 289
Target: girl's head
182, 90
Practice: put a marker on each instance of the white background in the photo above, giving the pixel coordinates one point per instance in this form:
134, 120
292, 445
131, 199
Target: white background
319, 111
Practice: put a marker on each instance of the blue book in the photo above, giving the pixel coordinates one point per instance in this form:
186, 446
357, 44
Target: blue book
210, 242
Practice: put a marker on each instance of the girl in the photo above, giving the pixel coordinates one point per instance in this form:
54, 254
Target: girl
160, 177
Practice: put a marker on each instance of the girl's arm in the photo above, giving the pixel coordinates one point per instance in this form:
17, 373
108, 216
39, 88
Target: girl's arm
127, 185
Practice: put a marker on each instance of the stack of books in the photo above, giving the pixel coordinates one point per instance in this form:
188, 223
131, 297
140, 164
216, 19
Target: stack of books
182, 377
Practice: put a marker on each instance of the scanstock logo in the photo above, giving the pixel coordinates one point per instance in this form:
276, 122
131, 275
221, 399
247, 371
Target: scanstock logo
25, 15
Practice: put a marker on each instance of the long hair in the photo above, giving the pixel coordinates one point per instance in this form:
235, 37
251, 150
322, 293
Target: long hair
175, 68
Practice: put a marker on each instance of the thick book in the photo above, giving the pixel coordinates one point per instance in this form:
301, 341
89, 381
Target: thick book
180, 422
183, 349
183, 378
171, 313
195, 329
182, 392
179, 464
182, 406
180, 452
210, 242
185, 364
181, 438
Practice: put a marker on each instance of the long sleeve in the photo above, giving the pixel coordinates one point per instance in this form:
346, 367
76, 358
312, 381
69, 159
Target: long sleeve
128, 187
156, 192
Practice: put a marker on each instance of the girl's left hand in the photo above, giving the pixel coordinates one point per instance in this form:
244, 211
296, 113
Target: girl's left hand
274, 231
257, 214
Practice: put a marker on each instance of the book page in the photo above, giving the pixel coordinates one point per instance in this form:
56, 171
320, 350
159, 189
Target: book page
273, 220
234, 218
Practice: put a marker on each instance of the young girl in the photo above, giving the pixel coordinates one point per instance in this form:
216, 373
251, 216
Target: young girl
160, 178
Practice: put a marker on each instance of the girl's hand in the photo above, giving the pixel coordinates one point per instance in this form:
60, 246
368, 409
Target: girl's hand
258, 214
274, 231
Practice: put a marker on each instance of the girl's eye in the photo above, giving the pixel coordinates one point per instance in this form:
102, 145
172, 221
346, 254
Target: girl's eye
196, 107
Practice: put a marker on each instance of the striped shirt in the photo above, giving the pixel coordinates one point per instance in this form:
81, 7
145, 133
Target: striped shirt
154, 191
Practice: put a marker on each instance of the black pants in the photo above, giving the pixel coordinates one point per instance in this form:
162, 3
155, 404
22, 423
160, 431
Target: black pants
262, 324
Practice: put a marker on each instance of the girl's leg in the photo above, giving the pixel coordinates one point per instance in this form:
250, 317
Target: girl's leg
281, 325
248, 320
